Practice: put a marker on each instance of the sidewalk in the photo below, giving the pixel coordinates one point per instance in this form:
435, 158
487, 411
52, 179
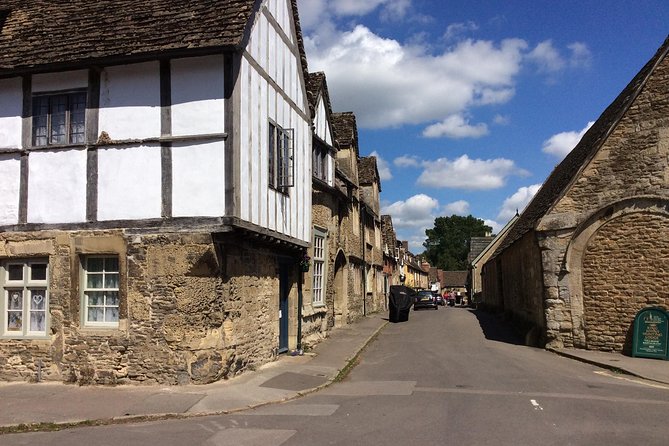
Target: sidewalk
281, 380
651, 369
45, 405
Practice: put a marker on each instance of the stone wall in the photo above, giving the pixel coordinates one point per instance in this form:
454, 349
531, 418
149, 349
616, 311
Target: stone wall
624, 270
188, 312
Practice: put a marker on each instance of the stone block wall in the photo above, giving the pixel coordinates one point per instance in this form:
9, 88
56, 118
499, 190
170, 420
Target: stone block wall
188, 313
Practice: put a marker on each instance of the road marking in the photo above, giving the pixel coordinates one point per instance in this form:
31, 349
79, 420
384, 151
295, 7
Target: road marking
633, 380
372, 388
250, 437
536, 405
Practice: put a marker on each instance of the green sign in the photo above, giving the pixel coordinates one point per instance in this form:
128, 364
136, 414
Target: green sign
651, 327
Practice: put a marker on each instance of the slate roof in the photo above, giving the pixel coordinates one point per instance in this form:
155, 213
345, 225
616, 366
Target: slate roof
567, 171
477, 245
345, 129
39, 33
388, 233
368, 173
454, 279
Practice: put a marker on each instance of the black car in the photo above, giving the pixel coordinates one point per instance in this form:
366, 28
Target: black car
425, 299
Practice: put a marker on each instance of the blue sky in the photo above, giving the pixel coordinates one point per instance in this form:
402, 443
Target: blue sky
469, 105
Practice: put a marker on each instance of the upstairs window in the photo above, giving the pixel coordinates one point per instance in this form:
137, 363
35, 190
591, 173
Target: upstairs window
319, 161
280, 152
59, 118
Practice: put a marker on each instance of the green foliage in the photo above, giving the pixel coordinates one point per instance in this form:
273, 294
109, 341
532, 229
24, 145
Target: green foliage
447, 244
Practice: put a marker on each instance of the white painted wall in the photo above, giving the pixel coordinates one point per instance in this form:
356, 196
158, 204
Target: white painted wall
130, 101
10, 172
129, 183
198, 179
197, 95
11, 100
57, 186
289, 214
66, 80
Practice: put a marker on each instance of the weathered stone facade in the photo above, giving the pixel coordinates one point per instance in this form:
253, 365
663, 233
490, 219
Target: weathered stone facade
189, 312
601, 224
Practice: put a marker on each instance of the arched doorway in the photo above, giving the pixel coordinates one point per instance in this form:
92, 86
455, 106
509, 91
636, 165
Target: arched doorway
340, 307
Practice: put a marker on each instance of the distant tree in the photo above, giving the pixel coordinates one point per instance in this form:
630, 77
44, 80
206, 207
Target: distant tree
447, 244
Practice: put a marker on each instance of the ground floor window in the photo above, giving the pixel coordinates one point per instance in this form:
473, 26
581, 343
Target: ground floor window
319, 277
101, 291
25, 297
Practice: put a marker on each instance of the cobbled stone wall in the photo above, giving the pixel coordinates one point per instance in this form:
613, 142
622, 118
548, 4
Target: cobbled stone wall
625, 269
187, 313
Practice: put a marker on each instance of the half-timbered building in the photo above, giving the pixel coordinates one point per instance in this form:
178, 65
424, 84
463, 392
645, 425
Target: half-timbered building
156, 195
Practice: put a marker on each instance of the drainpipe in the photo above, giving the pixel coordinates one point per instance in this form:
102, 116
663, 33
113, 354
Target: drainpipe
300, 276
364, 261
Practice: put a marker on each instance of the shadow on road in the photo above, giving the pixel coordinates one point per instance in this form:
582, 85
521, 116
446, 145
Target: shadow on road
495, 328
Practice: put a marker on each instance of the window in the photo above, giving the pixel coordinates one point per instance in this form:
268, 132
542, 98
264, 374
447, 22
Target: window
59, 118
101, 291
280, 151
318, 289
25, 299
319, 160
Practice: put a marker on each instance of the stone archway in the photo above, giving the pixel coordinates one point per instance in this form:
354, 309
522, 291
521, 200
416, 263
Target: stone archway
340, 309
617, 264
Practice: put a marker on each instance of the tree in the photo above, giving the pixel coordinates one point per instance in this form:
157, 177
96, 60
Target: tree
447, 244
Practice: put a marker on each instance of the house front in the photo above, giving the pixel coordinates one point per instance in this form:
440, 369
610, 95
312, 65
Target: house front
157, 188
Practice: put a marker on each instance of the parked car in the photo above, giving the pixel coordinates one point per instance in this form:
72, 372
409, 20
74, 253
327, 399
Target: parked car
425, 299
440, 299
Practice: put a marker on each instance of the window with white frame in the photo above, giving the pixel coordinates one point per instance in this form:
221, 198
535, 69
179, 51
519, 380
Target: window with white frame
319, 283
59, 118
25, 301
280, 153
101, 291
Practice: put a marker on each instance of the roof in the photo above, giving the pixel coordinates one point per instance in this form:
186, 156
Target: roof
476, 245
567, 171
454, 279
39, 33
345, 129
388, 233
368, 172
496, 241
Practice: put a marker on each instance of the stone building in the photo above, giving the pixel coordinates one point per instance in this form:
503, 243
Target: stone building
156, 188
592, 248
349, 305
370, 212
481, 249
391, 254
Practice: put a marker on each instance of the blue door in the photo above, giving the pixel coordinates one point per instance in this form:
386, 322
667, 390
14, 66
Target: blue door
284, 291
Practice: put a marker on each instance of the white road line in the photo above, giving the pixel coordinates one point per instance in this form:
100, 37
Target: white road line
536, 405
636, 381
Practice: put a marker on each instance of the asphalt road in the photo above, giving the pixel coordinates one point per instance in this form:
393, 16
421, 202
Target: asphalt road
447, 377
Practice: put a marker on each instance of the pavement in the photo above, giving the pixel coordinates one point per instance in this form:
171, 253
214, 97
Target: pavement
50, 406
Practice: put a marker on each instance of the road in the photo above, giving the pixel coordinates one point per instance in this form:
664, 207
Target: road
449, 377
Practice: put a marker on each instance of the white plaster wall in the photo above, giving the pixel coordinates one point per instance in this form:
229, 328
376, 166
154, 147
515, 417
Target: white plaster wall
198, 180
130, 101
65, 80
129, 183
57, 186
197, 95
11, 103
10, 172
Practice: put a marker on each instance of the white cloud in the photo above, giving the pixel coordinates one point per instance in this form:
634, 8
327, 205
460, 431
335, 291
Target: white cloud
546, 57
412, 217
362, 67
467, 173
496, 227
561, 144
501, 120
455, 30
456, 127
460, 207
407, 161
517, 202
580, 55
382, 165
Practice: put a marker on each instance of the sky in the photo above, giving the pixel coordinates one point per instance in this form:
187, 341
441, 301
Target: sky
469, 105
